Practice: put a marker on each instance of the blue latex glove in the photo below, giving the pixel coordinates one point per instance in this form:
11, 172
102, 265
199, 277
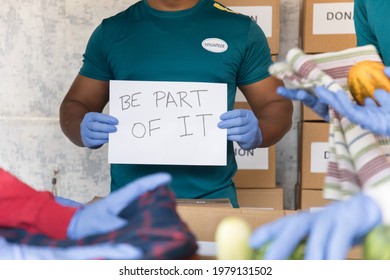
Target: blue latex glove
243, 127
67, 202
102, 216
330, 232
95, 128
13, 251
307, 99
370, 116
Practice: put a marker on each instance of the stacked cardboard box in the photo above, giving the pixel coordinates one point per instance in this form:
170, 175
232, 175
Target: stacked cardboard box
256, 176
327, 25
314, 155
265, 12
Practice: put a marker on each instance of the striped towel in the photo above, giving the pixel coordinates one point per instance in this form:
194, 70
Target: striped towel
359, 159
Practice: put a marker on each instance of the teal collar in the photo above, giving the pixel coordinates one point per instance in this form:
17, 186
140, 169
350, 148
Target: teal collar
175, 14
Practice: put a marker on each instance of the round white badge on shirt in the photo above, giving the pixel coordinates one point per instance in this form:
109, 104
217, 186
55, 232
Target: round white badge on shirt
215, 45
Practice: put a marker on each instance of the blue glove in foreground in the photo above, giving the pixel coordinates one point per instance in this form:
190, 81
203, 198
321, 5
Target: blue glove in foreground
13, 251
95, 128
102, 216
67, 202
371, 117
243, 127
307, 99
330, 232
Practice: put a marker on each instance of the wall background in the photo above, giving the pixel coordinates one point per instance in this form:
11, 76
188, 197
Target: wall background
41, 47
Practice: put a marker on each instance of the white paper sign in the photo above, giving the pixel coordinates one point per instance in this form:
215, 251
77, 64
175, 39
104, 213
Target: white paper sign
262, 15
256, 159
167, 123
319, 157
333, 18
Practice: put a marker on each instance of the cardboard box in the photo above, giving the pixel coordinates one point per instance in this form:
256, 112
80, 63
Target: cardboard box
356, 253
314, 154
308, 114
312, 199
261, 198
203, 221
265, 12
327, 25
256, 168
261, 178
202, 202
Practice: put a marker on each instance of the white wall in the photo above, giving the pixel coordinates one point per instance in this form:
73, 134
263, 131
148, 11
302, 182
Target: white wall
41, 47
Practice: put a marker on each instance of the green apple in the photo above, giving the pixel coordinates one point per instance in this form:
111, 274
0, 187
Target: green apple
232, 239
376, 245
232, 242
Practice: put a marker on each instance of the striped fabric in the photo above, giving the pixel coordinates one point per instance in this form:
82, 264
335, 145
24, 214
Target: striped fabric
359, 160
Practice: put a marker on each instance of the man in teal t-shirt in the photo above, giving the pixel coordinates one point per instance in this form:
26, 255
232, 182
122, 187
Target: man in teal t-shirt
371, 25
179, 41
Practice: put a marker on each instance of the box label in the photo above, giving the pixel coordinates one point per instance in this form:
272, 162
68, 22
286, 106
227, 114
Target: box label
333, 18
262, 15
256, 159
319, 157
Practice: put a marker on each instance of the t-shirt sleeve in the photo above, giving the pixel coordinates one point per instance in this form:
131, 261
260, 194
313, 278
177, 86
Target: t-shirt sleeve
95, 62
35, 211
364, 34
257, 58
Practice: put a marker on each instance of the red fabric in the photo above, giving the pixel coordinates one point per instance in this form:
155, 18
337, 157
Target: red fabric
152, 225
34, 211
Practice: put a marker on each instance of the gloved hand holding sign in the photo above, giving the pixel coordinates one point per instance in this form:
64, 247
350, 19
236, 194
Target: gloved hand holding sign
102, 216
95, 128
243, 127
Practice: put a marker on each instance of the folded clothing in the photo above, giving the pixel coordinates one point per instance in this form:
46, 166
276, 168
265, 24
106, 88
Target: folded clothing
153, 227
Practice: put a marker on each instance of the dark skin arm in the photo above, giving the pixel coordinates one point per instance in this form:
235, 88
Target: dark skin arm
273, 111
85, 95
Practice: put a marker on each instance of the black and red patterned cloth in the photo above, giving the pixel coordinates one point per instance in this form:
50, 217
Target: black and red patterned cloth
153, 226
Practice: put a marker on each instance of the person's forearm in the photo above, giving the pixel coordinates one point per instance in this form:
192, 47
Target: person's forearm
71, 116
35, 211
275, 121
52, 219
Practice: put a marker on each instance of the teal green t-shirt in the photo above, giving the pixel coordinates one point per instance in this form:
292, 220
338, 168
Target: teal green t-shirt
145, 44
371, 18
